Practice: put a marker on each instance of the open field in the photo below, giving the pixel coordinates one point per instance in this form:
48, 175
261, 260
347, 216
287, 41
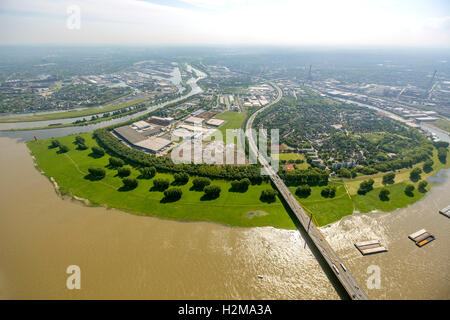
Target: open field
72, 114
231, 208
233, 120
442, 124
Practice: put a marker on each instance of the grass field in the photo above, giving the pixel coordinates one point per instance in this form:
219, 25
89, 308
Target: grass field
327, 210
231, 208
233, 120
295, 156
71, 114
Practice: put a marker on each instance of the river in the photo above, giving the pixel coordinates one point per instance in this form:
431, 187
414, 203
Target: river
127, 256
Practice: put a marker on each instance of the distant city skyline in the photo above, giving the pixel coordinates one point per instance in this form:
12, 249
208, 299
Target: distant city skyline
402, 23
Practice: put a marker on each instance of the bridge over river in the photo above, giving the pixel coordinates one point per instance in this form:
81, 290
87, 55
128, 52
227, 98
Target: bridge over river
343, 275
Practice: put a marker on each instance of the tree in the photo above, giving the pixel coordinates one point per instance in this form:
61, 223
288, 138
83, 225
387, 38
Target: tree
116, 162
79, 140
388, 178
54, 144
82, 146
328, 192
442, 154
422, 187
384, 194
124, 172
97, 173
409, 189
365, 186
148, 172
130, 183
303, 191
415, 174
173, 194
268, 195
181, 178
161, 183
63, 148
98, 151
212, 191
200, 183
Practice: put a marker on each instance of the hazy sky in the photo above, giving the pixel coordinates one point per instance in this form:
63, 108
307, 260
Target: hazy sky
280, 22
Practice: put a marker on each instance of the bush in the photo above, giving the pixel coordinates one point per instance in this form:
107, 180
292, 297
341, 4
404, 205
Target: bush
116, 162
268, 195
241, 185
161, 183
212, 191
200, 183
173, 194
181, 178
63, 148
79, 140
130, 183
422, 187
124, 172
98, 173
148, 172
165, 164
54, 144
415, 174
82, 146
409, 189
328, 192
98, 151
384, 194
442, 154
365, 186
303, 191
388, 178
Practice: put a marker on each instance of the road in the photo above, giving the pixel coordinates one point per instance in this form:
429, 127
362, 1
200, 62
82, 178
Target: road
337, 267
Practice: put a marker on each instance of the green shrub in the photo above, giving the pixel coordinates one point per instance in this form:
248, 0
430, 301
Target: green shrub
116, 162
212, 191
200, 183
161, 183
173, 193
130, 183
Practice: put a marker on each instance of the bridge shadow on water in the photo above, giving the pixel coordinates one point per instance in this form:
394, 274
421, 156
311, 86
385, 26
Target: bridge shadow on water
315, 251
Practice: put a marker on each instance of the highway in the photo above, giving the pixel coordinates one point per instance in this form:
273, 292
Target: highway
337, 267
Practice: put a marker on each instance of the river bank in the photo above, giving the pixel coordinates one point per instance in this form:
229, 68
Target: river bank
126, 256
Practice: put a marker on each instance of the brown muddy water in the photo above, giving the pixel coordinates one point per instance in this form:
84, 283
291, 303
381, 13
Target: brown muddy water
132, 257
